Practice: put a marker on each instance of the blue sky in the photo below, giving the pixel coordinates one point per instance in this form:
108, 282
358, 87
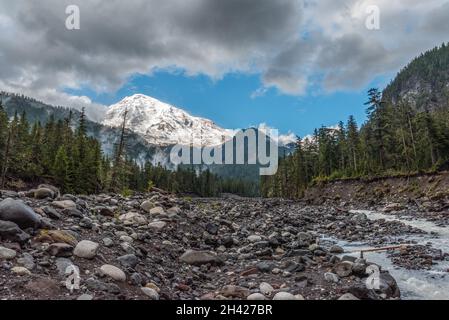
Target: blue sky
231, 104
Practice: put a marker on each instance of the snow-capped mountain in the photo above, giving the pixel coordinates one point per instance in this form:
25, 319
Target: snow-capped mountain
162, 124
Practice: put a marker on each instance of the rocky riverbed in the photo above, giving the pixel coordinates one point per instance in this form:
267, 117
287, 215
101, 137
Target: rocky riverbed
158, 246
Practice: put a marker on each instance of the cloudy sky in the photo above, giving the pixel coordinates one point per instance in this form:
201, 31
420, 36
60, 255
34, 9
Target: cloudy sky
293, 64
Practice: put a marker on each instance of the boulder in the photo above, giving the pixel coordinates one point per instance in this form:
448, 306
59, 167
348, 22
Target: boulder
11, 232
86, 249
55, 190
18, 212
43, 193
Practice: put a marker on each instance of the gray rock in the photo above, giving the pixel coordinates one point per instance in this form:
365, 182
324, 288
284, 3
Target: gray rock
86, 249
60, 250
256, 297
85, 297
64, 204
359, 217
200, 257
128, 261
113, 272
343, 269
157, 225
11, 231
18, 212
43, 193
7, 254
26, 261
348, 296
157, 211
284, 296
94, 284
151, 293
336, 249
331, 277
147, 206
108, 242
52, 213
55, 190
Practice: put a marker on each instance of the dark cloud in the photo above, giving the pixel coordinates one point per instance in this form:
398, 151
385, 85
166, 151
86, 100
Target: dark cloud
288, 42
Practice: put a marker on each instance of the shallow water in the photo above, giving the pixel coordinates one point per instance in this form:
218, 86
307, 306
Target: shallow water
414, 284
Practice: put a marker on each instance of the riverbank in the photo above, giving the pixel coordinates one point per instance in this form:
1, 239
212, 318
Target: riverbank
158, 246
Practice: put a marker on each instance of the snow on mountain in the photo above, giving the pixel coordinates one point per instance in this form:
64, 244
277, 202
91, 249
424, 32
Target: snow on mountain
162, 124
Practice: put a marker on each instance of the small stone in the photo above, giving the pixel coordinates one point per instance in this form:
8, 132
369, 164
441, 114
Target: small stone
85, 297
284, 296
126, 239
200, 257
60, 250
21, 271
113, 272
147, 206
64, 204
157, 225
151, 293
266, 289
256, 297
107, 242
52, 213
336, 249
26, 261
43, 193
11, 231
86, 249
7, 254
331, 277
153, 286
133, 218
212, 228
343, 269
128, 261
157, 211
348, 296
254, 238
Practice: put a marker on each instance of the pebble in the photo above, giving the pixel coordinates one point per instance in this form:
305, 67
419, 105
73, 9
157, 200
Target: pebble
151, 293
113, 272
284, 296
86, 249
21, 271
256, 297
7, 254
266, 289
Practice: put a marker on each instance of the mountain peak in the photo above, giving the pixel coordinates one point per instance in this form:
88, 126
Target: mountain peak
163, 124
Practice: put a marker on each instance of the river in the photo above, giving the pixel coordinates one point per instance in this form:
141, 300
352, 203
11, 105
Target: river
414, 284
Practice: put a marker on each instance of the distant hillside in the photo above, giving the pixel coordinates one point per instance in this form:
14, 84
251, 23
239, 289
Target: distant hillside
424, 83
35, 110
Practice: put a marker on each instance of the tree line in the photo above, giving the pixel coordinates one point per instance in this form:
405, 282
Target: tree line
60, 151
395, 139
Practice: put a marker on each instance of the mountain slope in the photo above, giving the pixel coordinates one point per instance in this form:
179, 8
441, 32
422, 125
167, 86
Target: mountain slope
424, 83
163, 124
137, 147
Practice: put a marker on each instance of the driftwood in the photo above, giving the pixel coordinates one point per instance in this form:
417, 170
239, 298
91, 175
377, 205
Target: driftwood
401, 247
